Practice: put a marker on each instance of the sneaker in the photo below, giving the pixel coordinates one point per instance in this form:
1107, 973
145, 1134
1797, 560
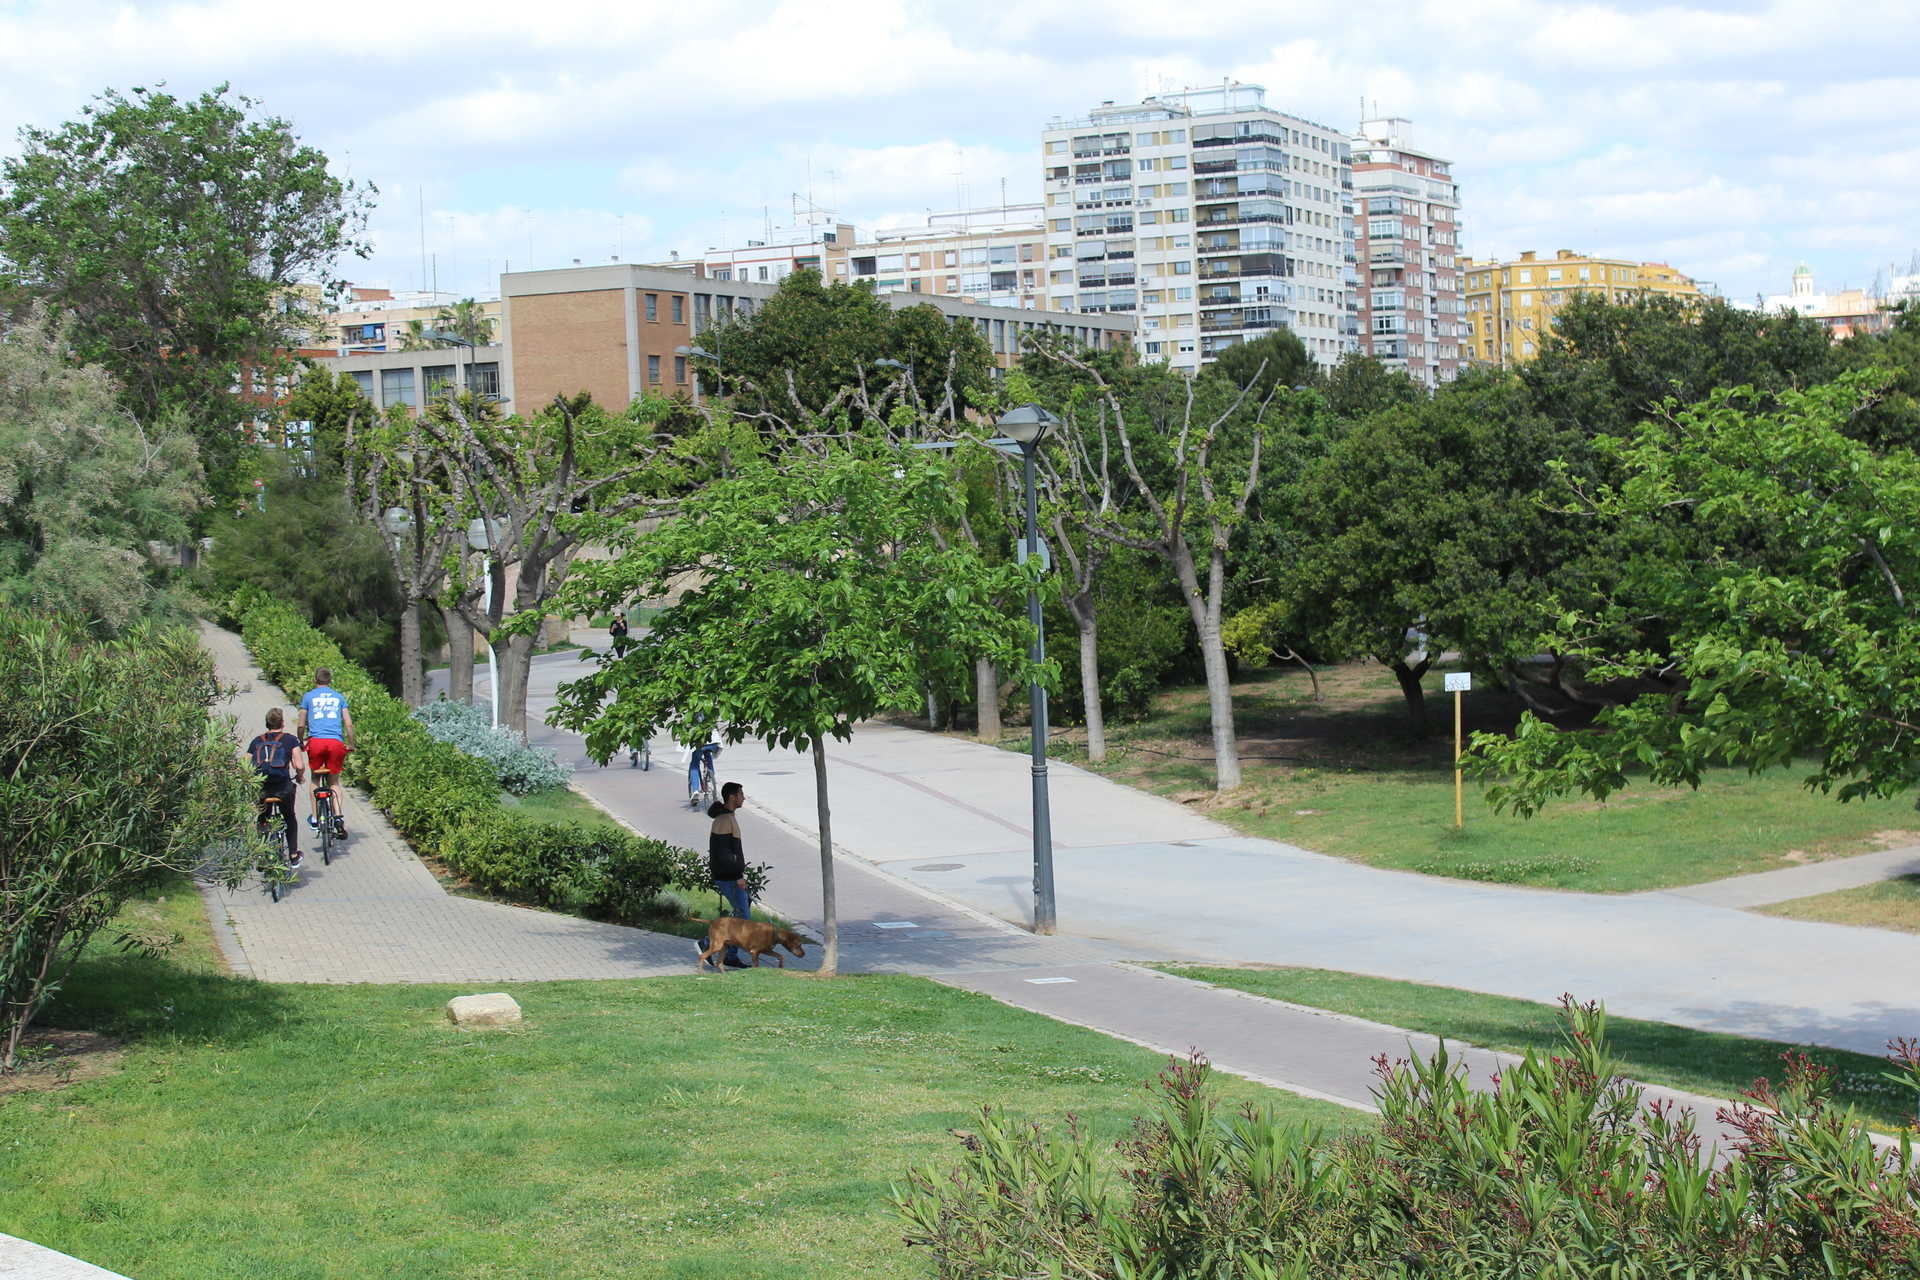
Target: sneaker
313, 823
339, 828
293, 861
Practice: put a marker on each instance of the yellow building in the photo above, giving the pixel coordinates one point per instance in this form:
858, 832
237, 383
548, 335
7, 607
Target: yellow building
1510, 305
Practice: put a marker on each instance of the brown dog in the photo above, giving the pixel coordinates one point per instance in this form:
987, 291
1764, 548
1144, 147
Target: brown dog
756, 936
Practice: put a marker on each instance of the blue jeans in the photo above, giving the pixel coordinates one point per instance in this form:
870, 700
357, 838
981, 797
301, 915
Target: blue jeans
737, 899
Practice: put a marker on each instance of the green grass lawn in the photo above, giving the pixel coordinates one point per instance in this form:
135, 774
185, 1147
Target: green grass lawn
1891, 904
727, 1127
1656, 1052
1346, 777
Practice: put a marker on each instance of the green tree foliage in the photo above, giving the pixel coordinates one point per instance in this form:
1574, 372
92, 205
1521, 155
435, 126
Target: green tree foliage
1608, 364
1892, 420
810, 351
1278, 359
813, 593
1777, 561
83, 486
1420, 530
172, 229
332, 403
1563, 1172
112, 774
1360, 385
311, 547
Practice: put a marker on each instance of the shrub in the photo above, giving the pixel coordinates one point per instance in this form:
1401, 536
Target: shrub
520, 768
1558, 1171
447, 802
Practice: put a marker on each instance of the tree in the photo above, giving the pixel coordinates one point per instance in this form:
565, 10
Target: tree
1778, 560
86, 816
533, 482
1421, 530
416, 506
328, 403
1360, 385
812, 349
84, 487
173, 231
815, 592
1200, 443
1279, 359
466, 319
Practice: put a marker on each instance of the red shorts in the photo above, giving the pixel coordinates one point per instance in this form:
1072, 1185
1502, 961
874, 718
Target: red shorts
326, 755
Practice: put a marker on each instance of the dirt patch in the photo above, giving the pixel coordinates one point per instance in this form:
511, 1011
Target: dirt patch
53, 1059
1894, 839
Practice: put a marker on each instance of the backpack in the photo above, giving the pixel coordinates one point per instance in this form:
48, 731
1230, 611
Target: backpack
272, 754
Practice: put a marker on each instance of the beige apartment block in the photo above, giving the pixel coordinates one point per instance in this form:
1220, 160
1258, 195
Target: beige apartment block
995, 256
377, 319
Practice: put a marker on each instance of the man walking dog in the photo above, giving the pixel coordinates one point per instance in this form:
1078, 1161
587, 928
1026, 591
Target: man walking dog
727, 864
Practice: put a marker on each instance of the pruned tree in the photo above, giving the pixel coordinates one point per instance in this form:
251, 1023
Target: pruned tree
1185, 499
812, 592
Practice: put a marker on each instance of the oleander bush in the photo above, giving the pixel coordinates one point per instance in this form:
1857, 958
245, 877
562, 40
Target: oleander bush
520, 768
447, 803
1558, 1171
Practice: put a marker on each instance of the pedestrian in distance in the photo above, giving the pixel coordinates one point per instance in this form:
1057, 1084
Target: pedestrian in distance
617, 629
727, 862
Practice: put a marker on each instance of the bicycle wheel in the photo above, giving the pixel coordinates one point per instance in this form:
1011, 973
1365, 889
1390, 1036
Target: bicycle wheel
276, 837
326, 830
708, 792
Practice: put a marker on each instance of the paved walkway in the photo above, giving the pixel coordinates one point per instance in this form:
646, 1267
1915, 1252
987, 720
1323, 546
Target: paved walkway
1766, 887
1145, 876
378, 915
25, 1260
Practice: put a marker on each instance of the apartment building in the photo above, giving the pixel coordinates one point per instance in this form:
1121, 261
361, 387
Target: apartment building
1511, 305
780, 253
1211, 216
620, 330
376, 319
995, 256
1408, 233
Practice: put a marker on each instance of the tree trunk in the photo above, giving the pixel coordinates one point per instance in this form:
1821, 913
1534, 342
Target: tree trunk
1204, 607
1409, 678
516, 665
410, 690
459, 656
1089, 624
986, 693
830, 959
935, 721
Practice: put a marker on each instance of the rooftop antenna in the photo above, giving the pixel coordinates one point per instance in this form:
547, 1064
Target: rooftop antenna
423, 236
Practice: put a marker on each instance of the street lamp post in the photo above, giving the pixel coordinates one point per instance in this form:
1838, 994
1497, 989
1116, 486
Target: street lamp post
1026, 425
480, 538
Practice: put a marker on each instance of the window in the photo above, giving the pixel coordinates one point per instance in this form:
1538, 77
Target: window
363, 378
437, 376
396, 387
1147, 165
1142, 139
1524, 300
653, 306
653, 369
1184, 294
484, 379
1586, 273
679, 309
1184, 267
1176, 135
679, 368
1057, 147
1176, 162
1526, 277
1029, 251
763, 276
913, 262
950, 259
1553, 273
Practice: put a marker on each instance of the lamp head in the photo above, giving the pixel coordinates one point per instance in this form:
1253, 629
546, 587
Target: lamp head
396, 519
888, 364
1026, 424
477, 534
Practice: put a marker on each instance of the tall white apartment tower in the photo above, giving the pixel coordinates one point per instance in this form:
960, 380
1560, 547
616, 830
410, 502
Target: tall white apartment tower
1411, 311
1214, 217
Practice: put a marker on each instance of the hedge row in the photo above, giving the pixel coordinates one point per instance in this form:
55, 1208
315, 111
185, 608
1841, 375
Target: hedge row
447, 803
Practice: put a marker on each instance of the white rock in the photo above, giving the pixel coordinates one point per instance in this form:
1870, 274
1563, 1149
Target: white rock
495, 1009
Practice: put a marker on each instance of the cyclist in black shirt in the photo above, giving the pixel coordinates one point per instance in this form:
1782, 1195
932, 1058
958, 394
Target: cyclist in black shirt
281, 763
727, 861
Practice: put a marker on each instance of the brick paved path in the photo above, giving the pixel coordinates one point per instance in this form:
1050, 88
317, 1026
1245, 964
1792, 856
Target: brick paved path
378, 915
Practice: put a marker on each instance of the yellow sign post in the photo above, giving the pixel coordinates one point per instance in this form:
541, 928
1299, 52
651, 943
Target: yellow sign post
1458, 683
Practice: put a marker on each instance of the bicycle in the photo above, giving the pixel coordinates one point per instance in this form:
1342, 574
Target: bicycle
326, 814
702, 790
272, 828
640, 758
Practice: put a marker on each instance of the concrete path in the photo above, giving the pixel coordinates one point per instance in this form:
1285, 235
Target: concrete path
1148, 877
25, 1260
1766, 887
378, 915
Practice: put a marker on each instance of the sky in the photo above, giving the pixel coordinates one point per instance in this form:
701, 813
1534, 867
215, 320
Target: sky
1732, 140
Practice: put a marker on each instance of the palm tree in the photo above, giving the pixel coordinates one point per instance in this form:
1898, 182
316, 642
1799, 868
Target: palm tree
414, 337
468, 319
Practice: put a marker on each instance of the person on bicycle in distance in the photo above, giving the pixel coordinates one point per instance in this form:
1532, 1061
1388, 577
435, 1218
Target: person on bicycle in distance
702, 732
280, 762
327, 726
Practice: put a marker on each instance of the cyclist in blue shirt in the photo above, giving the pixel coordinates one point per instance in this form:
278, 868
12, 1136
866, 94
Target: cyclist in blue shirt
327, 726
